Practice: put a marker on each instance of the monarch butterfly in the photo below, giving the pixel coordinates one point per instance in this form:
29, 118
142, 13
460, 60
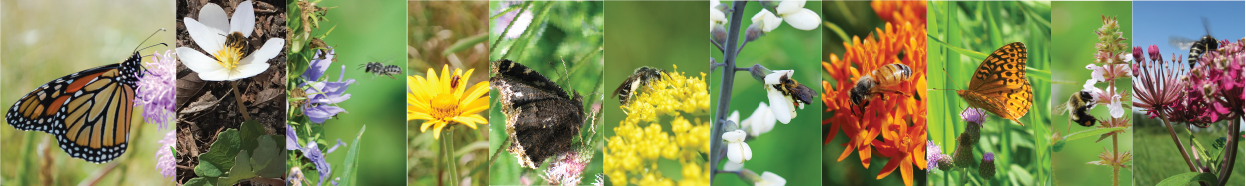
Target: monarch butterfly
89, 111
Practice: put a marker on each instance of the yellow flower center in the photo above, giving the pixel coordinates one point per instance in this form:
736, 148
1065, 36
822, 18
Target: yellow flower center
229, 56
445, 106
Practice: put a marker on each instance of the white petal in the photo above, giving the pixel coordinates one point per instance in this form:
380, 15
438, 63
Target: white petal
271, 48
244, 19
714, 3
1090, 84
770, 179
716, 18
212, 16
804, 19
207, 67
789, 6
773, 77
207, 38
746, 151
248, 70
1097, 73
733, 166
780, 106
761, 121
767, 20
735, 118
1115, 107
734, 136
734, 153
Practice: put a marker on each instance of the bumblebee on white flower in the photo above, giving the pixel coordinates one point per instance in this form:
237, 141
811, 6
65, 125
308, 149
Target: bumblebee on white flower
226, 40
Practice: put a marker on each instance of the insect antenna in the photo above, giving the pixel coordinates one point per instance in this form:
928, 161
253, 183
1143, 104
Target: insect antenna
149, 37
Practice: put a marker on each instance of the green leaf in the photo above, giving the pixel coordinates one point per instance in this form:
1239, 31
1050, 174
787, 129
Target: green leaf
220, 156
1187, 178
1220, 143
352, 156
250, 130
1091, 132
241, 170
201, 181
466, 43
977, 56
268, 158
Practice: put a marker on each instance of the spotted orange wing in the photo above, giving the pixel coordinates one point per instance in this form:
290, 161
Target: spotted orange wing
999, 85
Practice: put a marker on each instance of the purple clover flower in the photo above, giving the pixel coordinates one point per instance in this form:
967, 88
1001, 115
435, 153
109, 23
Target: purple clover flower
312, 152
164, 155
156, 89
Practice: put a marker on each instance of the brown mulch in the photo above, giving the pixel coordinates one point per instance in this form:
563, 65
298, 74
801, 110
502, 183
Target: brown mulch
206, 108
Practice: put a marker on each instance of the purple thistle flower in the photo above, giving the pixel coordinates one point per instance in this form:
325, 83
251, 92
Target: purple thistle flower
156, 89
312, 152
164, 155
973, 115
321, 97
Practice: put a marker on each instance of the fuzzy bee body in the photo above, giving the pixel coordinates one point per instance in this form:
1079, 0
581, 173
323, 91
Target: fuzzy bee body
378, 69
1207, 43
874, 82
639, 78
1078, 106
801, 95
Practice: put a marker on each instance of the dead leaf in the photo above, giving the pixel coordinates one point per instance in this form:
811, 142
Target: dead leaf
204, 102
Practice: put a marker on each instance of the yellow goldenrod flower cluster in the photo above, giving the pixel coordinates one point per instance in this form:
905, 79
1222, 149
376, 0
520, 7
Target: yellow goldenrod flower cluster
631, 156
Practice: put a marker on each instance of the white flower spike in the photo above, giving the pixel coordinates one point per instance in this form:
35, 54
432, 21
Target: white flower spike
761, 121
770, 179
737, 150
780, 104
210, 33
794, 13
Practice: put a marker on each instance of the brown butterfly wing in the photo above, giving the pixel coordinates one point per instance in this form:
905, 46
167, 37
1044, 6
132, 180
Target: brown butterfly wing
999, 84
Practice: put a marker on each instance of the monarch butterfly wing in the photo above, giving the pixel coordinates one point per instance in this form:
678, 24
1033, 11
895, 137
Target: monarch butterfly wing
88, 111
1001, 79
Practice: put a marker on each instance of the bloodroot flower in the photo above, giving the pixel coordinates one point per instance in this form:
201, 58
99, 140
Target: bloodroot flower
444, 99
225, 39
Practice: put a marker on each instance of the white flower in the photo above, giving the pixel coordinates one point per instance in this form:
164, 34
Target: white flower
795, 13
768, 21
780, 104
770, 179
1090, 85
737, 150
1097, 73
716, 17
1114, 107
733, 166
760, 122
226, 62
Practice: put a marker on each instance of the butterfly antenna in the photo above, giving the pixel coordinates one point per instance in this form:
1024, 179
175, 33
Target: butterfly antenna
149, 37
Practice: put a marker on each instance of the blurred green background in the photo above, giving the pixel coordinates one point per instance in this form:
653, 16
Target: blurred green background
368, 31
569, 33
856, 18
983, 27
44, 40
790, 150
1073, 45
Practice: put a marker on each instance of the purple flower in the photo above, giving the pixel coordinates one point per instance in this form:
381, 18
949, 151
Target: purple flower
521, 22
1138, 54
164, 155
1153, 51
933, 154
312, 152
156, 89
323, 96
973, 115
318, 65
1214, 87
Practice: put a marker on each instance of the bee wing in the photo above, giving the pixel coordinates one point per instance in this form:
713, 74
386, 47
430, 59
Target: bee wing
624, 85
1063, 109
1182, 43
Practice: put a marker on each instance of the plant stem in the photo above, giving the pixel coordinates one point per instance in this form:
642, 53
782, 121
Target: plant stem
246, 115
1177, 141
1116, 169
1230, 152
728, 79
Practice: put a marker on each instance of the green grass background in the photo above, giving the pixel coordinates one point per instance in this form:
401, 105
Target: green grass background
1073, 40
1022, 157
44, 40
789, 150
368, 31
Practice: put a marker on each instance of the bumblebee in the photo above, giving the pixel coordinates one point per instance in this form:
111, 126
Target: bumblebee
801, 95
639, 78
378, 69
877, 81
1077, 107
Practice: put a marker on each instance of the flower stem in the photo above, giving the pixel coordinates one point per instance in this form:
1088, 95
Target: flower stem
1177, 141
246, 115
1230, 152
728, 79
1116, 169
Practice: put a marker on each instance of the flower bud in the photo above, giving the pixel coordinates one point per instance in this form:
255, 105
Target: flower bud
963, 156
988, 165
753, 32
720, 34
945, 162
974, 132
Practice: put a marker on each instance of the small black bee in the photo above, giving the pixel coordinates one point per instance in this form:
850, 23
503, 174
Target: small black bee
639, 78
1078, 105
1197, 47
378, 68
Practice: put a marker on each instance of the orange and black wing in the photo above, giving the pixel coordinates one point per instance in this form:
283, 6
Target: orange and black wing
89, 112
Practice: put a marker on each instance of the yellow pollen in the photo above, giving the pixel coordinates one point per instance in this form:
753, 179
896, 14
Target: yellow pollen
445, 106
229, 56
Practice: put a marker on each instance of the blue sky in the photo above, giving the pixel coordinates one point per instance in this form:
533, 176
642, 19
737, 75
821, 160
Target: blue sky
1155, 21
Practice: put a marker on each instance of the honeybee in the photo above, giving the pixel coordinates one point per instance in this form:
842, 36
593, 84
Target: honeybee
801, 95
1197, 47
877, 81
378, 68
1077, 107
639, 78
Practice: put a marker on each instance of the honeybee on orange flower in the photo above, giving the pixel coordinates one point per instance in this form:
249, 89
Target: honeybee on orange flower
878, 81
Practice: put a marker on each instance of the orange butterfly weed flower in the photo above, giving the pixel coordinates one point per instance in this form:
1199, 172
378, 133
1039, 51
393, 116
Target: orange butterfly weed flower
906, 145
899, 12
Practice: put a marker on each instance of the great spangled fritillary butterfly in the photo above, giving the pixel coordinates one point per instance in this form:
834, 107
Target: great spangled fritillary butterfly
999, 84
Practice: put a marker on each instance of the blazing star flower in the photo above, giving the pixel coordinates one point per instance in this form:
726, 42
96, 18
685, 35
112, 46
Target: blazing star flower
156, 90
737, 150
761, 121
312, 152
322, 96
517, 22
770, 179
442, 100
781, 105
226, 63
164, 155
933, 154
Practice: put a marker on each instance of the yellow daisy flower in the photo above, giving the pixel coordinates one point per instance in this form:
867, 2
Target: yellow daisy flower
440, 100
